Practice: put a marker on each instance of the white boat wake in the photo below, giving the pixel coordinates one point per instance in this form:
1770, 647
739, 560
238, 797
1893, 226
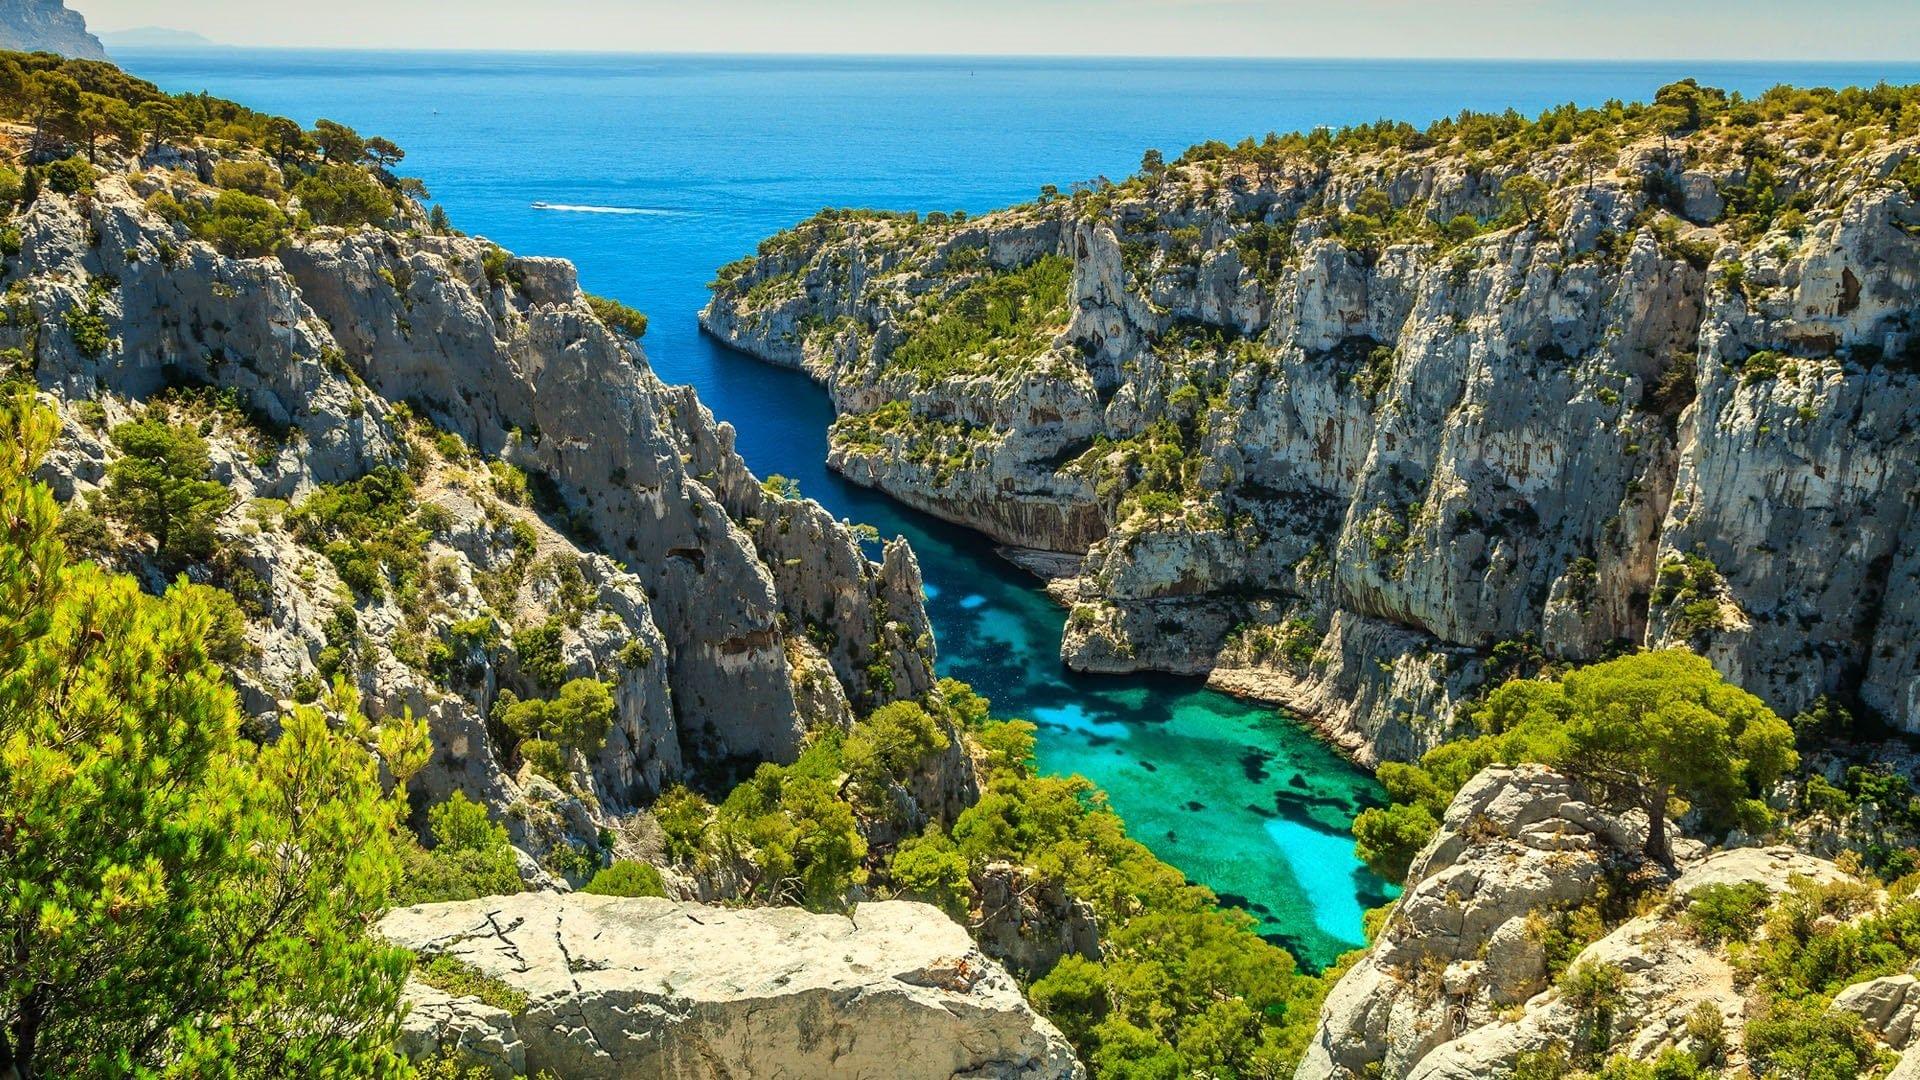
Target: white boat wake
576, 208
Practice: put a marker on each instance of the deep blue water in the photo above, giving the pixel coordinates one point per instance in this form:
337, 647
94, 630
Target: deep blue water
691, 160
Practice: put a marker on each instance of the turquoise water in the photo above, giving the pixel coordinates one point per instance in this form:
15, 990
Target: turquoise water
672, 166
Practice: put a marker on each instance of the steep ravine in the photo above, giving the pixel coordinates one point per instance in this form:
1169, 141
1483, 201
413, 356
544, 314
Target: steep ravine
1293, 433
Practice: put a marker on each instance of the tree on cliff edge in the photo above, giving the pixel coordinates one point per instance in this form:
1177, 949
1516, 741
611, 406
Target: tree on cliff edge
1661, 731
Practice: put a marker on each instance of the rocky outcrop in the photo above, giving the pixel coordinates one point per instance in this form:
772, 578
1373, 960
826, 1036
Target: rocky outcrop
617, 987
568, 515
47, 26
1361, 475
1889, 1007
1458, 983
1029, 922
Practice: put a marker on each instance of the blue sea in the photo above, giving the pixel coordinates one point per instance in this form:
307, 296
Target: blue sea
659, 169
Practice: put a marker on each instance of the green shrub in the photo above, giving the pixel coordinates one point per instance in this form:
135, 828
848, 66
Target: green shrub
471, 857
1720, 912
366, 529
344, 195
1388, 838
996, 322
888, 745
683, 817
546, 758
538, 649
1806, 1041
619, 317
627, 878
161, 485
241, 225
71, 176
451, 975
254, 177
498, 266
635, 654
163, 205
1549, 1064
89, 331
929, 867
578, 718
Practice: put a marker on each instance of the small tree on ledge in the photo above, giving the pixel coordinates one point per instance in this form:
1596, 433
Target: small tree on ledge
1660, 731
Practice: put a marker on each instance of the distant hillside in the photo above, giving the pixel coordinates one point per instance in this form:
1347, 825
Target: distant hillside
155, 37
47, 26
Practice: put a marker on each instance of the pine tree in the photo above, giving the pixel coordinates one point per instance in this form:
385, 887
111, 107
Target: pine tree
174, 899
161, 486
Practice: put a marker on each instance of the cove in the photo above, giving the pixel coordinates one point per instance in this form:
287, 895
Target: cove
650, 171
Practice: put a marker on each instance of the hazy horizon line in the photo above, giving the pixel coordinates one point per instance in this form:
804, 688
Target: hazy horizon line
216, 46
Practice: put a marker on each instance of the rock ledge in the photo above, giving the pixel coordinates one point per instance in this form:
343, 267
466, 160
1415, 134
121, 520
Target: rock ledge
642, 987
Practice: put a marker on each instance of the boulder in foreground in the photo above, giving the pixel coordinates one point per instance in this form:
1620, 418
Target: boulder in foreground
619, 987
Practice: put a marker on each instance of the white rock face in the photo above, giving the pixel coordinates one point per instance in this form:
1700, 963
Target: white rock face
1514, 841
1889, 1007
466, 1029
621, 988
685, 575
1422, 451
1455, 987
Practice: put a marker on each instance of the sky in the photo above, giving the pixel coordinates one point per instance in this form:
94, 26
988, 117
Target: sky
1657, 29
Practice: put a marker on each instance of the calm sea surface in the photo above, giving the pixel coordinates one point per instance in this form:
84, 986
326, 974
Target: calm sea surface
670, 166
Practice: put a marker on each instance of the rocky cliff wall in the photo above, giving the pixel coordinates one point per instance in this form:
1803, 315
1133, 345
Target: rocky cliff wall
47, 26
1361, 468
566, 515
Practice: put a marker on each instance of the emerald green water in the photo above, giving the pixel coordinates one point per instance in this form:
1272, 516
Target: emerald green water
1237, 796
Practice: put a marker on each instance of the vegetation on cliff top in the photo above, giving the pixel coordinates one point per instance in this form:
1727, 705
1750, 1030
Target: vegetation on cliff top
1765, 133
273, 176
1182, 985
1654, 730
1769, 149
179, 899
989, 325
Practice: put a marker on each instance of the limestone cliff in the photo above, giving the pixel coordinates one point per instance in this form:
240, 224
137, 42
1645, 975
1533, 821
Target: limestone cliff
613, 987
47, 26
1356, 425
526, 502
1531, 879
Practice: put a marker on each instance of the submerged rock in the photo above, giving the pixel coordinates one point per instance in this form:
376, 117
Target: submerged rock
620, 987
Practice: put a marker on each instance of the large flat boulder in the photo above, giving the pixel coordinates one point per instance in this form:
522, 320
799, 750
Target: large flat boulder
621, 987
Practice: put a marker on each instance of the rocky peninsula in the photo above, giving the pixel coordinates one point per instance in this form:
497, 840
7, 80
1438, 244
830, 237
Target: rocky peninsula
1365, 423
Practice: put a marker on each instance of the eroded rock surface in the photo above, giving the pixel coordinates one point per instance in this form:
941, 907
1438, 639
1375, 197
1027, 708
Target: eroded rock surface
630, 988
1458, 986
